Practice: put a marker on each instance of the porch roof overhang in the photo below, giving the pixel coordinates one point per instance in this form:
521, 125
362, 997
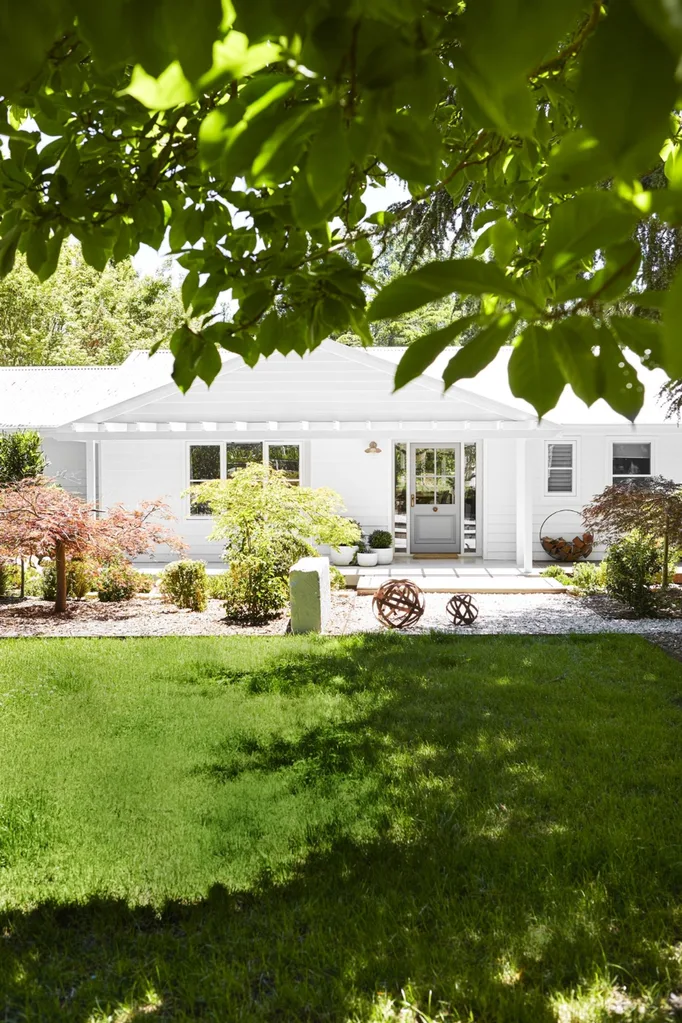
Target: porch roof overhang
310, 429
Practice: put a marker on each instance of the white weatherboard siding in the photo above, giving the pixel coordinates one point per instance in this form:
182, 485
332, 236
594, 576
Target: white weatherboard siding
332, 402
364, 481
144, 470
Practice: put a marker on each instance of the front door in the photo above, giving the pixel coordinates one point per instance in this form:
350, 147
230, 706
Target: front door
433, 501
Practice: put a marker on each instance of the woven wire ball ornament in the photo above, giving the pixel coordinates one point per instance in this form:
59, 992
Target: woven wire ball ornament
398, 604
462, 609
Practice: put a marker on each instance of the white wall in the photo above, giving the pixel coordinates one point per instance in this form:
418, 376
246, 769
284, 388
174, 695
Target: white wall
594, 451
499, 499
142, 470
67, 460
365, 482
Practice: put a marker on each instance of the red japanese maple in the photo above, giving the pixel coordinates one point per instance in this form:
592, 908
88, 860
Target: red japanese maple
40, 519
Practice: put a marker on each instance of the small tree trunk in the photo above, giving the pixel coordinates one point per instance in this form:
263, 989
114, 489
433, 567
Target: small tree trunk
666, 555
60, 562
23, 580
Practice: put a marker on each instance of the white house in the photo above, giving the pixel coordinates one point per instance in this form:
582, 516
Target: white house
470, 472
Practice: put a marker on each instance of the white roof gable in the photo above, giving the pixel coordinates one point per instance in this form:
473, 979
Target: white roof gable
332, 383
335, 382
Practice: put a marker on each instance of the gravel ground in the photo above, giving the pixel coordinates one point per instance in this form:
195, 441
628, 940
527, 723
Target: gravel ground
540, 614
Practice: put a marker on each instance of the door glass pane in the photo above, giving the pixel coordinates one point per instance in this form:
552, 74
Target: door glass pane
470, 538
445, 485
424, 478
239, 455
286, 458
400, 497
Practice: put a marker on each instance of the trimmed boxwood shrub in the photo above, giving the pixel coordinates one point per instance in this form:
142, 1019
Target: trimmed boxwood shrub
381, 539
185, 584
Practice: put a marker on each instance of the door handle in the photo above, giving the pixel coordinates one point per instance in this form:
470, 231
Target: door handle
411, 500
434, 508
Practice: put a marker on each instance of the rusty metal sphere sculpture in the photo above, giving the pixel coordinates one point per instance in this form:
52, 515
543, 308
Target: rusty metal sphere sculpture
462, 609
398, 604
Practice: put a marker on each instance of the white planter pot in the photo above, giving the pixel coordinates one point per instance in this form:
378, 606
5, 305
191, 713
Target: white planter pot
384, 555
341, 556
368, 560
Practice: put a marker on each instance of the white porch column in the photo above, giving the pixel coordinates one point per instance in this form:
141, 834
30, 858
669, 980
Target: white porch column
524, 507
90, 470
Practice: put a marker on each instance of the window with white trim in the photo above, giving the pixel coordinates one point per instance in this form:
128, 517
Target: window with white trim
630, 461
206, 463
561, 467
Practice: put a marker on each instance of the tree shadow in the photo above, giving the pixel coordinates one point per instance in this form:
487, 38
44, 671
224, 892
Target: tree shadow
508, 859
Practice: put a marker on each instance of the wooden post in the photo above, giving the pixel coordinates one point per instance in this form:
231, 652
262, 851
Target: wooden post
60, 563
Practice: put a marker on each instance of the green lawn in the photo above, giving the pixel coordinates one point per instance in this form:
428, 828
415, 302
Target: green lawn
302, 829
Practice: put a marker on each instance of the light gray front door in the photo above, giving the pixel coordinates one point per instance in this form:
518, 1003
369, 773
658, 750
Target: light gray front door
434, 515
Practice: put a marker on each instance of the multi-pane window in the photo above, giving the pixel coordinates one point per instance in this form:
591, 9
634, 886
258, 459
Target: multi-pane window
561, 468
205, 463
630, 461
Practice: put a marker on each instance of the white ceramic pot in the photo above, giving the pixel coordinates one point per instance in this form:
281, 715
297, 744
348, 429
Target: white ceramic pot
384, 555
368, 560
341, 556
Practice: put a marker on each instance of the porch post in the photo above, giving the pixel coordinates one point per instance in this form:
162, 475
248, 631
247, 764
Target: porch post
89, 470
524, 508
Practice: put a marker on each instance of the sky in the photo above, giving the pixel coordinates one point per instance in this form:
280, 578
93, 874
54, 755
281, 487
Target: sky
148, 260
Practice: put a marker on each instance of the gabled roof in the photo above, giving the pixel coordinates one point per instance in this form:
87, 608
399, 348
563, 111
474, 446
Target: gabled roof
337, 382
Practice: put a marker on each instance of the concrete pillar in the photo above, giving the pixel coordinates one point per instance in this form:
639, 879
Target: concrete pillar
524, 508
310, 595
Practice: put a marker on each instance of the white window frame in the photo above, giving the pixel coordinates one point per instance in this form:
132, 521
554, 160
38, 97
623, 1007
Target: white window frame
558, 495
222, 444
613, 478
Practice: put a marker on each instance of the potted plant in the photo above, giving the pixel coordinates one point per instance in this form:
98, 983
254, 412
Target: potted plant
365, 557
340, 551
381, 541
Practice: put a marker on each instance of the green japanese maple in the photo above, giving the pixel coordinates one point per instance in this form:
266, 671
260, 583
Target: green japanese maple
248, 132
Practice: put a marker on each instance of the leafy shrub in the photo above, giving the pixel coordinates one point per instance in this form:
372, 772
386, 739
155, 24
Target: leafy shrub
380, 539
337, 579
630, 569
33, 582
558, 573
81, 577
184, 583
254, 589
49, 581
116, 582
9, 577
588, 577
144, 582
215, 586
267, 525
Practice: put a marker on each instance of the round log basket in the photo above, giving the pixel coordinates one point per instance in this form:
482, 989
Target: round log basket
462, 609
398, 604
561, 549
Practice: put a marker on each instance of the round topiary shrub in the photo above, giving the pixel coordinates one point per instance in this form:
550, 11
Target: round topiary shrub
380, 539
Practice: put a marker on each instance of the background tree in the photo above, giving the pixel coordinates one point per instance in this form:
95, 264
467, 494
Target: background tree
21, 458
653, 506
80, 316
39, 519
251, 139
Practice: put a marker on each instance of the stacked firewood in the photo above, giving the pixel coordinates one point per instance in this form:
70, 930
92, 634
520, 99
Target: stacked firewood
568, 550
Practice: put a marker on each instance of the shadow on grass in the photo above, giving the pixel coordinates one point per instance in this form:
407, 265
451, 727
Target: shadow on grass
524, 848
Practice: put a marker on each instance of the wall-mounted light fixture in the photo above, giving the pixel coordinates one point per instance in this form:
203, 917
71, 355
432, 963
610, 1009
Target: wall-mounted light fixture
373, 448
